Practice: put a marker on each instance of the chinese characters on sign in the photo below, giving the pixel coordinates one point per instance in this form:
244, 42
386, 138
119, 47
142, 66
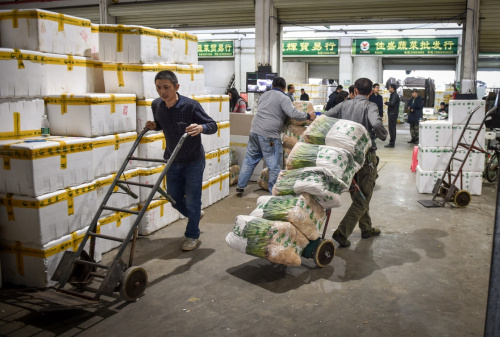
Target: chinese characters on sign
406, 46
329, 47
215, 49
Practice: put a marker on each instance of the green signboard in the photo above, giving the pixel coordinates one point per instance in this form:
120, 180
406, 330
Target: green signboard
406, 46
321, 47
215, 48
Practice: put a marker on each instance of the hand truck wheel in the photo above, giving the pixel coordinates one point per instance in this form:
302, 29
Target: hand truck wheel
324, 253
462, 198
133, 283
491, 169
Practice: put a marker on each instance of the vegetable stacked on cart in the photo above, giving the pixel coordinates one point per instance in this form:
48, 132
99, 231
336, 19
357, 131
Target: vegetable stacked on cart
292, 222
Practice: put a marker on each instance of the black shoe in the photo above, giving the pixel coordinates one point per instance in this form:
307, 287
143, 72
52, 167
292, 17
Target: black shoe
239, 191
415, 141
373, 232
411, 141
389, 146
343, 242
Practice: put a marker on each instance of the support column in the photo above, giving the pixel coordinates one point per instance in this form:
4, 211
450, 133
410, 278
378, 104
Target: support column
369, 67
267, 35
470, 48
345, 62
106, 19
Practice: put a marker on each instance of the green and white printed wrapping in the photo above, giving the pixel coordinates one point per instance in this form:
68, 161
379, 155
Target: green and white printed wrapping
293, 134
337, 160
302, 211
277, 241
341, 133
319, 182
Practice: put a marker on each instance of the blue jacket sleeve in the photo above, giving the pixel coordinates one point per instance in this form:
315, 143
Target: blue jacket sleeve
200, 117
419, 103
154, 109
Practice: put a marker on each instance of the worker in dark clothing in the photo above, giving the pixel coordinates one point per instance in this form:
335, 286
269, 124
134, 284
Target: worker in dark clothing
351, 92
377, 99
416, 112
392, 114
362, 111
332, 97
303, 95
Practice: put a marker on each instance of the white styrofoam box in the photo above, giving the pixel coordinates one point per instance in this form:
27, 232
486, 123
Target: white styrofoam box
205, 103
433, 158
139, 79
159, 214
144, 113
239, 144
49, 32
185, 47
459, 111
191, 79
28, 73
219, 107
40, 220
205, 194
134, 44
119, 198
39, 165
21, 117
470, 181
223, 160
116, 224
219, 185
435, 133
223, 135
152, 146
33, 265
209, 142
109, 152
98, 78
211, 165
427, 179
475, 161
150, 175
91, 115
469, 135
94, 42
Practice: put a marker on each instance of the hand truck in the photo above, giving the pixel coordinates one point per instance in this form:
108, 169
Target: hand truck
320, 250
79, 268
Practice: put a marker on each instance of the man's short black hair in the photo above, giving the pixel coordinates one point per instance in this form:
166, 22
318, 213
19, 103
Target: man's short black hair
279, 82
375, 85
364, 86
290, 86
415, 90
302, 90
393, 86
339, 87
443, 103
167, 75
351, 89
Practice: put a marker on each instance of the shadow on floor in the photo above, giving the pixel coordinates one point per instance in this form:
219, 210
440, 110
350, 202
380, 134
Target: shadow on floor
278, 278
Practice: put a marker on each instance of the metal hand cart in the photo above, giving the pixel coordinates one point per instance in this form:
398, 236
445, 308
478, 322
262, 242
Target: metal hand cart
320, 250
445, 189
79, 269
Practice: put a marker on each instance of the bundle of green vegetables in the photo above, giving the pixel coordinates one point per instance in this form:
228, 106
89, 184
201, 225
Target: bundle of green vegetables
279, 242
337, 160
319, 182
302, 211
341, 133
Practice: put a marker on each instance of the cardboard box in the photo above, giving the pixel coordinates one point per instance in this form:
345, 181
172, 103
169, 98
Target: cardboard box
434, 158
459, 111
40, 220
39, 165
30, 74
21, 117
469, 135
91, 115
159, 214
426, 180
240, 123
44, 31
435, 134
135, 44
33, 265
109, 152
138, 79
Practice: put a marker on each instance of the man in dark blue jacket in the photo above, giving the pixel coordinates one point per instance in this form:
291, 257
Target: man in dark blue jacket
416, 112
392, 114
377, 99
331, 98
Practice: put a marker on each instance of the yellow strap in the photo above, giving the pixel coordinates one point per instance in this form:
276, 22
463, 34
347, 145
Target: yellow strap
165, 183
218, 129
161, 210
220, 179
70, 62
117, 141
74, 241
163, 143
158, 43
144, 103
20, 134
119, 71
71, 208
64, 151
64, 104
10, 208
60, 22
17, 122
192, 71
6, 158
15, 23
19, 57
113, 105
119, 219
187, 43
19, 258
238, 144
220, 104
119, 39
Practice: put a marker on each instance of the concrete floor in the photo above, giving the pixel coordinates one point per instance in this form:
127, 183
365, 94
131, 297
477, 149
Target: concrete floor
426, 275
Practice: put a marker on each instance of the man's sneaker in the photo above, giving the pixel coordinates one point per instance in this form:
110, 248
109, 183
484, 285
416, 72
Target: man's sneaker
343, 242
202, 214
389, 146
239, 191
411, 141
190, 244
373, 232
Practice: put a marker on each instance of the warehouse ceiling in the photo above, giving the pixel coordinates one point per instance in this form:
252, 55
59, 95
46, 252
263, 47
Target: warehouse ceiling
194, 14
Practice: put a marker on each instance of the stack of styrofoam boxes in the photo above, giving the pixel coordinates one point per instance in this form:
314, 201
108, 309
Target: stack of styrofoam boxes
317, 93
438, 140
46, 190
